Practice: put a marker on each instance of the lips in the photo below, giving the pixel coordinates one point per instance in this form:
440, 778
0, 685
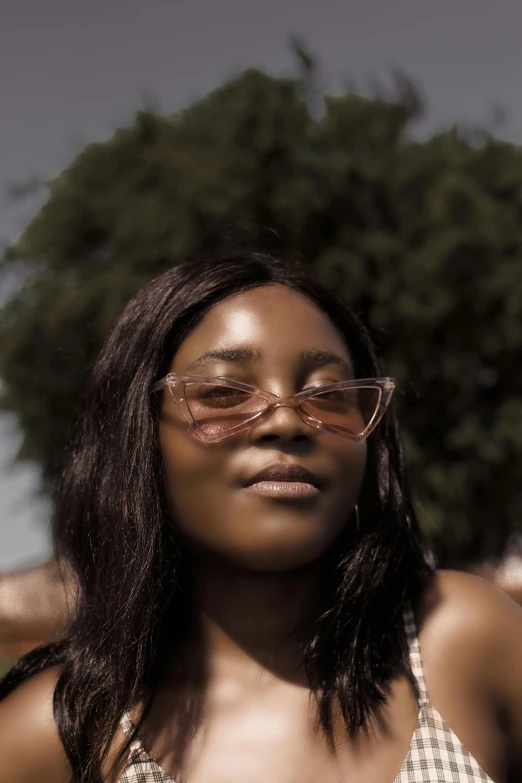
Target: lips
285, 473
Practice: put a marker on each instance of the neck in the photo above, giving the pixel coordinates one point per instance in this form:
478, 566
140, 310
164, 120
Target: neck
249, 620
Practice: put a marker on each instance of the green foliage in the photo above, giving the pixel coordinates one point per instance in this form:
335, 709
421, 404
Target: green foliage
423, 239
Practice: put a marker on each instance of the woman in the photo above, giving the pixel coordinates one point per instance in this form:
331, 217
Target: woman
255, 601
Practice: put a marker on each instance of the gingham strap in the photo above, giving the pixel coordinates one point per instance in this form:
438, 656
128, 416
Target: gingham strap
415, 655
436, 754
140, 768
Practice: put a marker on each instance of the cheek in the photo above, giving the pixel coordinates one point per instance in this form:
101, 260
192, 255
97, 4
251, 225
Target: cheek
194, 479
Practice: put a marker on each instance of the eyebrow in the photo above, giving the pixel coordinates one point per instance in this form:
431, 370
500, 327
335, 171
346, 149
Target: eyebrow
313, 358
236, 355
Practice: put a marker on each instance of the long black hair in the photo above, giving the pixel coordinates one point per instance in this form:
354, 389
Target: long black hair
112, 528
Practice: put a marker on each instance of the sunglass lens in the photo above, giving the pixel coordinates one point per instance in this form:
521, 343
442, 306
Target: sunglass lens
348, 411
218, 409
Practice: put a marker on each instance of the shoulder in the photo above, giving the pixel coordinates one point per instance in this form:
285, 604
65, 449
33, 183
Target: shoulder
30, 747
463, 609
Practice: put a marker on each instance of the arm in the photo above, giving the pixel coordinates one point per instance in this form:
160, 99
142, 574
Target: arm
30, 747
471, 640
506, 630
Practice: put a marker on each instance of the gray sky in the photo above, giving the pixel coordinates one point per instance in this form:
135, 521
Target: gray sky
71, 71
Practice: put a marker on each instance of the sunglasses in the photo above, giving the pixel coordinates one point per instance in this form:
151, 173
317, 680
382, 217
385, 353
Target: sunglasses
218, 408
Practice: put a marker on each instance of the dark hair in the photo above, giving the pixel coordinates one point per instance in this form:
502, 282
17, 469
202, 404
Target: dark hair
112, 527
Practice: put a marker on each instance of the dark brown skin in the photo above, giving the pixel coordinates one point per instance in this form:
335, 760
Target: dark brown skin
255, 563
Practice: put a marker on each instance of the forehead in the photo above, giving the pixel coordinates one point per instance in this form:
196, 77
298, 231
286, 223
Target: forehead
275, 320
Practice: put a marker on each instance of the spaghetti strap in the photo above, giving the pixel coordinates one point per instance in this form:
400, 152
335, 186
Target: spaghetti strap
140, 766
415, 654
127, 724
436, 754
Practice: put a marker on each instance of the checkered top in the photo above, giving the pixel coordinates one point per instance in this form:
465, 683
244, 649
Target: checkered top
436, 755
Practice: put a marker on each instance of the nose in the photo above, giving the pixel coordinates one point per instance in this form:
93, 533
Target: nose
282, 423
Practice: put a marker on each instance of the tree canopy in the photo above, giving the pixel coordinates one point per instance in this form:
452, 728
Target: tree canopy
423, 239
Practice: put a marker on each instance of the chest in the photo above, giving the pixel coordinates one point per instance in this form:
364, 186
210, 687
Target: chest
276, 737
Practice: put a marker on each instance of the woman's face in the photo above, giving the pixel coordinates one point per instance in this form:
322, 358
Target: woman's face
284, 338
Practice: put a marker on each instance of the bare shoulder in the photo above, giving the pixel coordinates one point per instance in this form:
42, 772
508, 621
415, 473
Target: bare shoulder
30, 747
461, 608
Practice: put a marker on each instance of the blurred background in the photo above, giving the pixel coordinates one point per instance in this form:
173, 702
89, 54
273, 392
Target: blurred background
380, 141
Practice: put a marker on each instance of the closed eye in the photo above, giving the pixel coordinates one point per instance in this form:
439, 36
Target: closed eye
218, 396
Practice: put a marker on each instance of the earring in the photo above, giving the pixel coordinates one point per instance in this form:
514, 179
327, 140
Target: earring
357, 520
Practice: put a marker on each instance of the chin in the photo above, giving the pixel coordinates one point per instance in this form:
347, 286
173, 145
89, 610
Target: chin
271, 558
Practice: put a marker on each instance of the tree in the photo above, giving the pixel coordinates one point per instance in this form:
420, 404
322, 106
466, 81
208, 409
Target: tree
423, 239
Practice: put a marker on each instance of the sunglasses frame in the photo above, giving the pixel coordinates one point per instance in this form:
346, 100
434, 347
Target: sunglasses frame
176, 386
